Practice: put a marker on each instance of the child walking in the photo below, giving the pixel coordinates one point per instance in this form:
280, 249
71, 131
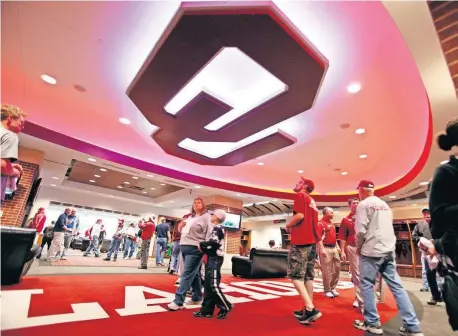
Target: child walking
213, 296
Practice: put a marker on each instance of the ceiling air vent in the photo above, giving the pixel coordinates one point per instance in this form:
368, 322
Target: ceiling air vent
177, 184
136, 188
127, 171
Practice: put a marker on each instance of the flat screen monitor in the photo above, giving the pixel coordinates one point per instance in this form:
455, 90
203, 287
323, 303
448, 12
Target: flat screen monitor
232, 221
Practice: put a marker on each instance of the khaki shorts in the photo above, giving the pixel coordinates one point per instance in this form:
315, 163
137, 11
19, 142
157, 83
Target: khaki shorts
301, 262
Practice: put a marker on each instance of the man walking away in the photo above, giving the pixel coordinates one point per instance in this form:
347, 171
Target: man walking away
329, 254
176, 236
47, 237
57, 245
375, 243
147, 233
303, 227
13, 120
94, 233
162, 236
72, 224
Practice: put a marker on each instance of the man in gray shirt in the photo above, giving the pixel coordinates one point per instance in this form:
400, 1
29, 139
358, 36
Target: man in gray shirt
13, 119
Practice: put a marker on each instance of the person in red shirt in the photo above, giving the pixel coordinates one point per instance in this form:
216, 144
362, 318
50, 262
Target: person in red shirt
329, 253
38, 221
303, 227
347, 238
147, 228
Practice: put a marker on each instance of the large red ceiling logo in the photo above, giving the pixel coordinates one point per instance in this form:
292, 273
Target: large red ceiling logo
220, 80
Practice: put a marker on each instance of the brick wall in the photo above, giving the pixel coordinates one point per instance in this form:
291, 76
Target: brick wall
13, 210
445, 17
232, 237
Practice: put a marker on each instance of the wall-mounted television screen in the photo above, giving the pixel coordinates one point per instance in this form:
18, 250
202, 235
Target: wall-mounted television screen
232, 221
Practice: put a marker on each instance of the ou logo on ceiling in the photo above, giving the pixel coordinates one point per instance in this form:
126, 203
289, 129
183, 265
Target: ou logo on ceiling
221, 80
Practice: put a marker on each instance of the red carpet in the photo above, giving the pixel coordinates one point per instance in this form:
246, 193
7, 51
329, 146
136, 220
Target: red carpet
104, 296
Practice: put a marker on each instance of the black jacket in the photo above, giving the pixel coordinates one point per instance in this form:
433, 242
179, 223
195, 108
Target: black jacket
443, 204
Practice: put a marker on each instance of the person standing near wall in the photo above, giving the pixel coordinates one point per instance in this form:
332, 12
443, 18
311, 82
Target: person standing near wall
59, 230
13, 120
176, 236
148, 229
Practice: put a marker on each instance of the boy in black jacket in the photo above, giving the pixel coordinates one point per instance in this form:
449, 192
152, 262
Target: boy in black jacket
213, 296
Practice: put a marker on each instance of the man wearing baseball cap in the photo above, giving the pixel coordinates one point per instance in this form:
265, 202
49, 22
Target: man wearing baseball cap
375, 243
304, 236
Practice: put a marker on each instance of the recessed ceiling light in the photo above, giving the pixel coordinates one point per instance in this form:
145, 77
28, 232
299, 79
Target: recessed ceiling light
56, 178
444, 162
124, 121
53, 185
353, 88
344, 173
414, 204
392, 196
103, 169
126, 182
171, 201
153, 188
300, 171
48, 79
92, 181
424, 183
149, 175
197, 187
363, 156
360, 131
135, 177
120, 187
92, 159
162, 184
145, 192
97, 175
260, 163
238, 195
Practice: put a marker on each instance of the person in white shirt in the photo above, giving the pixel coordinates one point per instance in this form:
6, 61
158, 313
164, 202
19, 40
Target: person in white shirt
129, 242
94, 233
375, 245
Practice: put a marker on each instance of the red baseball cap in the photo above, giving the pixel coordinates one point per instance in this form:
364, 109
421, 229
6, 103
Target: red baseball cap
303, 181
365, 184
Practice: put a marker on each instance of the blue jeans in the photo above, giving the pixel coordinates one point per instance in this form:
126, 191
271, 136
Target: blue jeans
93, 245
424, 280
114, 248
161, 243
369, 267
175, 256
190, 275
129, 245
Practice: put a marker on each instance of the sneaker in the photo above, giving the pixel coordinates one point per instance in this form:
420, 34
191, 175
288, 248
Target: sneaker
222, 314
433, 302
114, 259
335, 293
406, 332
355, 304
299, 313
106, 259
424, 289
142, 267
85, 255
63, 258
373, 329
189, 293
329, 295
199, 314
310, 316
193, 303
172, 306
178, 281
171, 272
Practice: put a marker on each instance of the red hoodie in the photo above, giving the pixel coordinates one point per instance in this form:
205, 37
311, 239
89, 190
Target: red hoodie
147, 229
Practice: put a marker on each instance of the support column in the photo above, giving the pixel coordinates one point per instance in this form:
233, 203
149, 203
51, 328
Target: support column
445, 17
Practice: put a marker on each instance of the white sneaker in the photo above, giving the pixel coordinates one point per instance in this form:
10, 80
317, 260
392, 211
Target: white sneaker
174, 307
193, 303
335, 293
329, 295
406, 332
355, 304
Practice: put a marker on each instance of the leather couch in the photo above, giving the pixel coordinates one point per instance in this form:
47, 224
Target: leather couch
18, 253
262, 263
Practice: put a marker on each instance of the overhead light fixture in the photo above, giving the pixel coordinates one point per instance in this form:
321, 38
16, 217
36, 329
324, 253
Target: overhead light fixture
392, 196
124, 121
153, 188
53, 185
135, 177
92, 181
56, 178
120, 187
48, 79
260, 163
149, 175
238, 195
171, 201
354, 88
444, 162
343, 173
126, 182
197, 187
103, 169
360, 131
145, 192
415, 204
162, 184
300, 171
92, 159
97, 175
424, 183
363, 156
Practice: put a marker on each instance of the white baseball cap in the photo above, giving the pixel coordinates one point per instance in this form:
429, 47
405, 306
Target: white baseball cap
220, 214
